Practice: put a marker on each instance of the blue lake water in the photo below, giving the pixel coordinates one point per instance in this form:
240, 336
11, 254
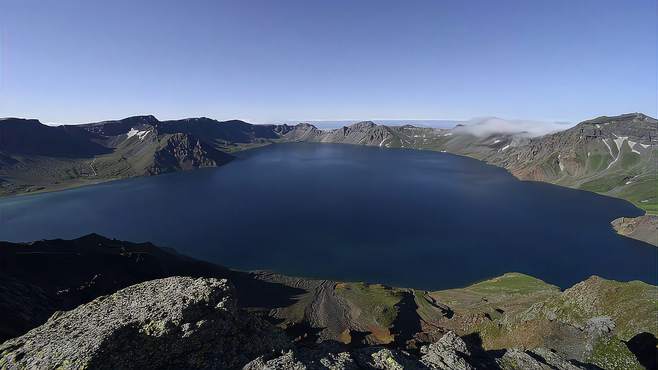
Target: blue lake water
401, 217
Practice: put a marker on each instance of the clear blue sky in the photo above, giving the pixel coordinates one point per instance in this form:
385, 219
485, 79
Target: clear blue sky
267, 60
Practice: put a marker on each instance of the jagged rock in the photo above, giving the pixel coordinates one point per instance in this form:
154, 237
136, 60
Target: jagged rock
302, 132
597, 328
449, 352
600, 325
287, 360
338, 361
184, 152
328, 357
175, 322
554, 360
384, 359
305, 359
538, 359
363, 133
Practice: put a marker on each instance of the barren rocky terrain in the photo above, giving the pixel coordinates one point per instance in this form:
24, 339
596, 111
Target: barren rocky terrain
512, 321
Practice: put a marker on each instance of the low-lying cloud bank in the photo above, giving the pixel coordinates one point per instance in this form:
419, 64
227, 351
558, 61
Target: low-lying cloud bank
492, 125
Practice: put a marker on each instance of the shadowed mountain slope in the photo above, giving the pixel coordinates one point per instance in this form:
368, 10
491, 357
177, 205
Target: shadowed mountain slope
31, 137
41, 277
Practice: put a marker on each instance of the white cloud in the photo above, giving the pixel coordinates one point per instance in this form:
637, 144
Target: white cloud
492, 125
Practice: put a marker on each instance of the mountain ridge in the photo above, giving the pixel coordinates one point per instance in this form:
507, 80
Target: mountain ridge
610, 155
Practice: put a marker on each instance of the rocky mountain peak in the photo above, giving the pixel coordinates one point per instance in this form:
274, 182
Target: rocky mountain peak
145, 119
364, 125
305, 125
198, 120
622, 118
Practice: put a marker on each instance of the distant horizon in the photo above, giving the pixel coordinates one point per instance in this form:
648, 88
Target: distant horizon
337, 123
295, 121
384, 121
492, 124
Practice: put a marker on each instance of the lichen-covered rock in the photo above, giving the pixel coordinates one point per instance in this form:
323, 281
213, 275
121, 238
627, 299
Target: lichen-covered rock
305, 359
600, 326
175, 322
553, 359
385, 359
449, 352
287, 360
537, 359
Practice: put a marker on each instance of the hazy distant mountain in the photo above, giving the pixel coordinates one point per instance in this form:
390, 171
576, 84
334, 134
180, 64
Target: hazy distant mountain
432, 123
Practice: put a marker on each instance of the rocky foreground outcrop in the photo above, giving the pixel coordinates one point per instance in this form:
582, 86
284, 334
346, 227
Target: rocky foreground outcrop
181, 322
597, 322
177, 323
450, 352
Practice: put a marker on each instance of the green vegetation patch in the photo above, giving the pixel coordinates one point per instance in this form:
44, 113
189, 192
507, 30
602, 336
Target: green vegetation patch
632, 305
425, 309
612, 353
629, 160
512, 283
375, 300
605, 183
598, 162
643, 193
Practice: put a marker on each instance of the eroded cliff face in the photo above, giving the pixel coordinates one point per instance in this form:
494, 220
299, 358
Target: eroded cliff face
180, 151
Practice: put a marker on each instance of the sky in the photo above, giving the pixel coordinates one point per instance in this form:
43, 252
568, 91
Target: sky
66, 61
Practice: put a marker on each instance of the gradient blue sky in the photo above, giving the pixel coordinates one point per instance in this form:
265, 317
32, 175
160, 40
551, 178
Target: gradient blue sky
267, 60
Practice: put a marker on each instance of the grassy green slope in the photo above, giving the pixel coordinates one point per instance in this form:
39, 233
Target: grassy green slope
525, 312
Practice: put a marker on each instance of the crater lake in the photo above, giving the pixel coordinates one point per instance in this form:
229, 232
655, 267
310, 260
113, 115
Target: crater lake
407, 218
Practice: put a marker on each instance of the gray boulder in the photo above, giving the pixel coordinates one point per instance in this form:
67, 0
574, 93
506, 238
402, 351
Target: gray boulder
385, 359
449, 353
304, 359
176, 322
600, 326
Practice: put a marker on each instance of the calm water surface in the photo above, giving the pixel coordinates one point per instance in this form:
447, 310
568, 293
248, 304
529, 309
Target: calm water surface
402, 217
